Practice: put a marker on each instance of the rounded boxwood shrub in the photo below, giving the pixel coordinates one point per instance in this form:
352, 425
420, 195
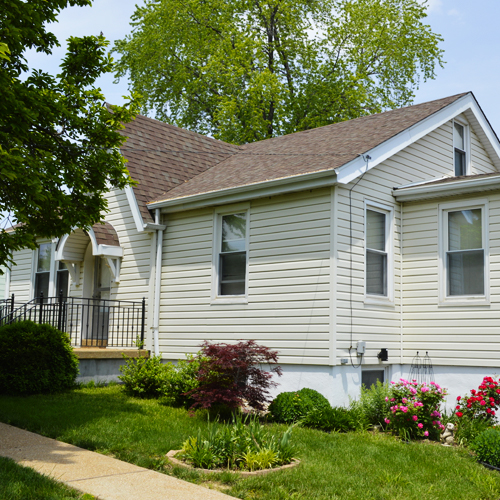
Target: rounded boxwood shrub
292, 406
35, 358
487, 447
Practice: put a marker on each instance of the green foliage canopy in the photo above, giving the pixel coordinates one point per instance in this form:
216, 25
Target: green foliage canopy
248, 70
58, 140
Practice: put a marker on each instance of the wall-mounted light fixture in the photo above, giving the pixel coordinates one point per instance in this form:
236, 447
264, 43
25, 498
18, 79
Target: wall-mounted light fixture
383, 355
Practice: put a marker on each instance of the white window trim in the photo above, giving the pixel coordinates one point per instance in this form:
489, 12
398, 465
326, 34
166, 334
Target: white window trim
52, 275
467, 141
219, 212
462, 300
389, 231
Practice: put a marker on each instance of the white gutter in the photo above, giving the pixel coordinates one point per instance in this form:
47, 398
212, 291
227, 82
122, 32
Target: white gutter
263, 189
156, 311
451, 188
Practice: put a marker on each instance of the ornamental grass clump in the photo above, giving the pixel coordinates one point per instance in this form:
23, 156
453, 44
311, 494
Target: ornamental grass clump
415, 409
244, 444
482, 403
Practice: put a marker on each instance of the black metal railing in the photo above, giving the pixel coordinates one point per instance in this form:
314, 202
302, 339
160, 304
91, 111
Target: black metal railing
89, 322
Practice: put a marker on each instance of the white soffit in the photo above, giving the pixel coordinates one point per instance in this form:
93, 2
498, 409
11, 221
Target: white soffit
466, 104
451, 188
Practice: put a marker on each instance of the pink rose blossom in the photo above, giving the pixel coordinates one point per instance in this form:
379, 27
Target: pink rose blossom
415, 418
420, 425
426, 433
387, 421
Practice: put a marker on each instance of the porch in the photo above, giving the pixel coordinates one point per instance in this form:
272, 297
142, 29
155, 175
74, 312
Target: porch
90, 322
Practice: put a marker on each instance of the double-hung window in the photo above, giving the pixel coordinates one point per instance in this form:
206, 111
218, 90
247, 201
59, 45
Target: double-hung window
42, 270
378, 252
460, 141
465, 251
231, 254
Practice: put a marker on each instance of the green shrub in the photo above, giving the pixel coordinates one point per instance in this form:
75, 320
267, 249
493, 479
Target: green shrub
244, 444
35, 359
150, 378
144, 377
374, 402
487, 447
181, 379
337, 419
290, 407
467, 429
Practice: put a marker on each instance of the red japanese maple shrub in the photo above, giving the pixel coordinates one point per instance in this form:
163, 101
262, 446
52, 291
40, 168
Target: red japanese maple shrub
230, 373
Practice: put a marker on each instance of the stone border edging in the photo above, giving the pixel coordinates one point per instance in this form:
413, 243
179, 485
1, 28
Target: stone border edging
171, 456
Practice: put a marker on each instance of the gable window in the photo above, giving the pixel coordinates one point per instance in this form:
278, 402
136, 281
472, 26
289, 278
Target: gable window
378, 252
460, 148
232, 254
464, 256
42, 273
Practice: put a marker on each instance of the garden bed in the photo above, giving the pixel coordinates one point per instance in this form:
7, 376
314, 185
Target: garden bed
350, 466
243, 473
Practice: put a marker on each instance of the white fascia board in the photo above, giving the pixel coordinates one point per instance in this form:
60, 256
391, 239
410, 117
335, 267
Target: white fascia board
453, 188
109, 251
249, 192
350, 171
134, 207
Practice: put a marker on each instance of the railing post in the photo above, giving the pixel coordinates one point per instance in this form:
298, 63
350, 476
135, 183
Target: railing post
12, 304
59, 316
143, 319
41, 308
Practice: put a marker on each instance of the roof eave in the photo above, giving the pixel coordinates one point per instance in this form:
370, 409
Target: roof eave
353, 169
248, 192
453, 188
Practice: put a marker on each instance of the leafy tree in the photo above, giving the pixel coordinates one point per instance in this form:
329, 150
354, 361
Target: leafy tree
230, 373
58, 141
247, 70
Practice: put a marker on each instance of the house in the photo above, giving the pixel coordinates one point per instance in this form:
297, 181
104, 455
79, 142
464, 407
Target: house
348, 248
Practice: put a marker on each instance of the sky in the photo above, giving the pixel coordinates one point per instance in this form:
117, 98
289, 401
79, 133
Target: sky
471, 43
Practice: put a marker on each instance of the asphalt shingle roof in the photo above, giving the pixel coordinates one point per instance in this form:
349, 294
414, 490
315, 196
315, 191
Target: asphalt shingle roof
164, 176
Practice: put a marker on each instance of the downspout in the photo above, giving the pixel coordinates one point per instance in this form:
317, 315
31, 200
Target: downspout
156, 314
7, 282
401, 284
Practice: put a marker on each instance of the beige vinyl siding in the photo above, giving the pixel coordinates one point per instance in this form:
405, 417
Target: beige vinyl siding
453, 335
288, 281
136, 261
380, 326
21, 275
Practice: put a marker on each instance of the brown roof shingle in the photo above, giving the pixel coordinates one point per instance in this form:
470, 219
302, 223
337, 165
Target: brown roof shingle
158, 171
206, 165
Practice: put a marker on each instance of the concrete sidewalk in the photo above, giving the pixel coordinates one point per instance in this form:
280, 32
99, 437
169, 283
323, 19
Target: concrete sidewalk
104, 477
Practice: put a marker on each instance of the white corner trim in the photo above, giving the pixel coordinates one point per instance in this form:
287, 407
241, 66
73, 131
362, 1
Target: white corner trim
382, 152
134, 208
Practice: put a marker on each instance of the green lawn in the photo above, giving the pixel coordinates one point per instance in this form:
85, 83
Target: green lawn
334, 466
23, 483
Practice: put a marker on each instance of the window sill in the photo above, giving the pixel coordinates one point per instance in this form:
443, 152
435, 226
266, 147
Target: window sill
229, 299
465, 301
374, 300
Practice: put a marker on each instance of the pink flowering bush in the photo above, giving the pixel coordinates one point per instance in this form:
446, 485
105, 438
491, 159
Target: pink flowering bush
482, 403
414, 409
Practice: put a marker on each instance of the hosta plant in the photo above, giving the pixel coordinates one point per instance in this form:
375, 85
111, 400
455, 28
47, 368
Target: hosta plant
244, 444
